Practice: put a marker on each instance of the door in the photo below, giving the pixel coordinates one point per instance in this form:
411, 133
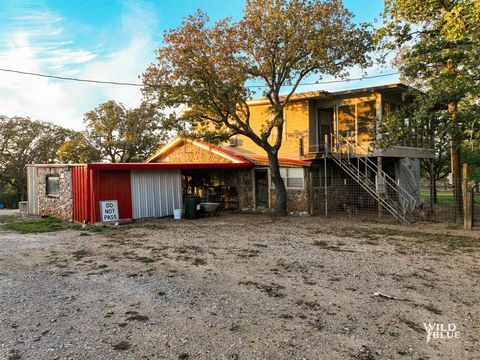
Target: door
261, 188
325, 121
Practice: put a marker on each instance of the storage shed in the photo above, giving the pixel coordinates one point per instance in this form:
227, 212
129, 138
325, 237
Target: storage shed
141, 190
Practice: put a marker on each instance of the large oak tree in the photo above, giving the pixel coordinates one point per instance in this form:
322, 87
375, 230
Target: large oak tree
116, 134
276, 44
24, 141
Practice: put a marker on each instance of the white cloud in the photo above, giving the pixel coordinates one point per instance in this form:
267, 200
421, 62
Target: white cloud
41, 47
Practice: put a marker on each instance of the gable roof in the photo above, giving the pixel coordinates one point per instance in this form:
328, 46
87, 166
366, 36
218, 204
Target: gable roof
237, 156
227, 155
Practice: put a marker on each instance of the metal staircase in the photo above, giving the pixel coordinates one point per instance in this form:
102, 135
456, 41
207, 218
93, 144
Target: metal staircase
354, 160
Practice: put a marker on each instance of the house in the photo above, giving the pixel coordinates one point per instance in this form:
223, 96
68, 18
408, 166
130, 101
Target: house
326, 159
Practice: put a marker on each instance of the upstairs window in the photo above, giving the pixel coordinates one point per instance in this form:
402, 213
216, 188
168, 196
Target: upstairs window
53, 185
346, 121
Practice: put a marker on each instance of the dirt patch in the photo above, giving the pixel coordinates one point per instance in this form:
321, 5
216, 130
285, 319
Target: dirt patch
238, 287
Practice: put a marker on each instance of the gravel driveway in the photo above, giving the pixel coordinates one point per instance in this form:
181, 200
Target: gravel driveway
239, 287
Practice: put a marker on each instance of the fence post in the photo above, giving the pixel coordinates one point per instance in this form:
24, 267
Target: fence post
467, 200
325, 173
379, 175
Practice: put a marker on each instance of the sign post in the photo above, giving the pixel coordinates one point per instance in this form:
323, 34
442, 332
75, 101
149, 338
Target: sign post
109, 210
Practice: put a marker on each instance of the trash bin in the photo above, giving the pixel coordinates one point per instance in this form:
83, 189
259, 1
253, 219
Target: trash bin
177, 214
192, 207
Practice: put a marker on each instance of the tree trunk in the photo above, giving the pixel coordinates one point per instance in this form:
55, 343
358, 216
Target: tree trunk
281, 191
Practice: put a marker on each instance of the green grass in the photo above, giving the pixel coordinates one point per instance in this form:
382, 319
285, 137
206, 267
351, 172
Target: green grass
32, 225
442, 196
9, 218
41, 225
80, 254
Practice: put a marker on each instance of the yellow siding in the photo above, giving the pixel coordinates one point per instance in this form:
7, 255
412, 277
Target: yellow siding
296, 128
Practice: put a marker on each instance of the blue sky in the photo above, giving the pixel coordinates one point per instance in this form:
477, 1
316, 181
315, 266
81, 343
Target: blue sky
107, 40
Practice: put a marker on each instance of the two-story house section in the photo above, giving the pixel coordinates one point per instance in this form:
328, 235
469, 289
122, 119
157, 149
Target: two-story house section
327, 159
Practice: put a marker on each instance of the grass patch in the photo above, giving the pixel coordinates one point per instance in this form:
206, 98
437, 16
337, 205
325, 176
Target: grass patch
9, 218
199, 261
80, 254
135, 316
442, 196
14, 355
327, 246
35, 225
145, 259
433, 309
42, 225
122, 345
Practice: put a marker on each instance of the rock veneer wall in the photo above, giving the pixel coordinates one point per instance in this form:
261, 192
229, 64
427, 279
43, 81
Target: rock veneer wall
297, 198
242, 179
59, 206
188, 153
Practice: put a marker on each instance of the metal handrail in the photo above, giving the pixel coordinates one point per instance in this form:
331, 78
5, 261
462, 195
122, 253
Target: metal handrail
404, 197
374, 166
373, 192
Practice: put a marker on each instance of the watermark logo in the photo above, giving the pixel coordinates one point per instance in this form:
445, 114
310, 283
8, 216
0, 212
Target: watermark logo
441, 331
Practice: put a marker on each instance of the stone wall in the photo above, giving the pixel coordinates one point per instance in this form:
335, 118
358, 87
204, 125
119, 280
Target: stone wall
188, 153
242, 179
61, 206
297, 199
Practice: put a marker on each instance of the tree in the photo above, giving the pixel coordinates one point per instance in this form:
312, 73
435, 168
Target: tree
437, 45
471, 156
276, 43
114, 133
78, 150
22, 142
423, 119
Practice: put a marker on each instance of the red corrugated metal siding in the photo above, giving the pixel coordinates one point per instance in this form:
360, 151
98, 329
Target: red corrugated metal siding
110, 185
80, 193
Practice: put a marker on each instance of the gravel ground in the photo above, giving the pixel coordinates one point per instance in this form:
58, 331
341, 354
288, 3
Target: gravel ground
239, 287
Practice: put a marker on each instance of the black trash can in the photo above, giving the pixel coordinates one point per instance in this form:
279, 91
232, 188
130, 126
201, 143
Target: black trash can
191, 207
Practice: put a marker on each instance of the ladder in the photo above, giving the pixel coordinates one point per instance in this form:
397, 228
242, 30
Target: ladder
354, 160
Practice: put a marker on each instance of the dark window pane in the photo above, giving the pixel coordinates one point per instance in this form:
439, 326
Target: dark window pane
53, 186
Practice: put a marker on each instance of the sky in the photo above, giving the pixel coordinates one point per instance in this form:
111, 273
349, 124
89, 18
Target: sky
111, 40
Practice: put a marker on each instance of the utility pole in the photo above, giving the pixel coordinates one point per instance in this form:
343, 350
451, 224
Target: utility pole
455, 151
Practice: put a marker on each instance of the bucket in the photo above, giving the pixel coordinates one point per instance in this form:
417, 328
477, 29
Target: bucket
177, 214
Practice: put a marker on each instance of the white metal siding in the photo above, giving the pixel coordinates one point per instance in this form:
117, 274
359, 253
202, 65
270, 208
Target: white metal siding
32, 189
155, 193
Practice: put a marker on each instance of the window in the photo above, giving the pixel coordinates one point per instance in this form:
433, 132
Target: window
293, 177
53, 185
366, 114
346, 121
